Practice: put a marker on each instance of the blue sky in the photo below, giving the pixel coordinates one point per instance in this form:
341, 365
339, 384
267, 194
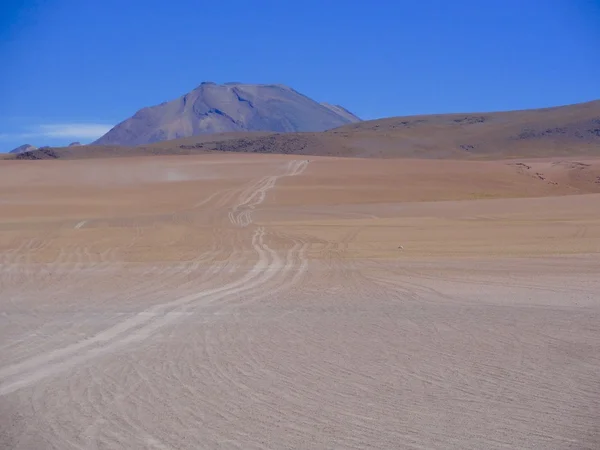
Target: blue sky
73, 68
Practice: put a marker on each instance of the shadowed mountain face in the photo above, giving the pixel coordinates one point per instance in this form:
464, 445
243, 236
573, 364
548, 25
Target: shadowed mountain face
23, 148
213, 108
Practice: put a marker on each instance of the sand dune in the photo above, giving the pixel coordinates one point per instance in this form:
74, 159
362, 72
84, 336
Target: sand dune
263, 301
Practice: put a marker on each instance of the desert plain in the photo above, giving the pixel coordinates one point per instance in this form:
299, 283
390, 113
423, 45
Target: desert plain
240, 301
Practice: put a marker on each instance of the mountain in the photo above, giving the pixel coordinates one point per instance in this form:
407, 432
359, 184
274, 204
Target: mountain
23, 148
213, 108
564, 131
74, 144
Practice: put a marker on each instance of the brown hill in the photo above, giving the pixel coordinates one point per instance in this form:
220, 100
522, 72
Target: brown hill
539, 132
559, 131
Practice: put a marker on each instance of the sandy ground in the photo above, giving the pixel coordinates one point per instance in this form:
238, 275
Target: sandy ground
251, 302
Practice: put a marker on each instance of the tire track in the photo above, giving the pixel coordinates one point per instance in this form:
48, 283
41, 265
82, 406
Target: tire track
268, 266
241, 213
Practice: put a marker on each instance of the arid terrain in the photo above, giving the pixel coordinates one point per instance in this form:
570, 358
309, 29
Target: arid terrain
244, 301
561, 132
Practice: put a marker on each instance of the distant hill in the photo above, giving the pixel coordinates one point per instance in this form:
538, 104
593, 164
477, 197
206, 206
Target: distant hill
213, 108
567, 131
536, 132
557, 131
23, 148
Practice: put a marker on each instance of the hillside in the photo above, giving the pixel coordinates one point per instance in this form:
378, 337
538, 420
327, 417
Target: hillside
564, 131
213, 108
538, 132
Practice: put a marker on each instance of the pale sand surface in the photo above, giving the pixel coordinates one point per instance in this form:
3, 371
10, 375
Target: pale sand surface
252, 301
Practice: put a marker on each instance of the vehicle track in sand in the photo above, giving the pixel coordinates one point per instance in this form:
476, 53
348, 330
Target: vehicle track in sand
267, 267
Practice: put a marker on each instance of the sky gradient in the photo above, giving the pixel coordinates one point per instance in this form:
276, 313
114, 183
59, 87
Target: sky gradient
72, 68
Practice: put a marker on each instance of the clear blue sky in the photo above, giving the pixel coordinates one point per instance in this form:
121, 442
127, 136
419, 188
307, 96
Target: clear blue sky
70, 68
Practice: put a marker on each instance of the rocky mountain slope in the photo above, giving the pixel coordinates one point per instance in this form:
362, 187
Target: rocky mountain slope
213, 108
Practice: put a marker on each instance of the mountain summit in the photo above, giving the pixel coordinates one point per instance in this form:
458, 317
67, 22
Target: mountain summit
215, 108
